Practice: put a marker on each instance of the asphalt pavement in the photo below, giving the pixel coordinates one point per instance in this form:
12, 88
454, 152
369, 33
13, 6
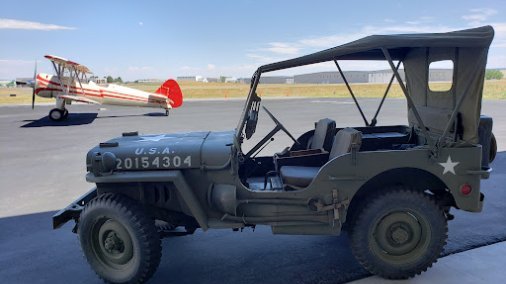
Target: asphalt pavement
42, 168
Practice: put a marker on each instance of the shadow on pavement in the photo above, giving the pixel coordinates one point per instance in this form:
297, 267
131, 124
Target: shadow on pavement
32, 252
133, 115
81, 119
73, 119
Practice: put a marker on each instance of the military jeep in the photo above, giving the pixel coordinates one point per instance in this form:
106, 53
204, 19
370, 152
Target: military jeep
390, 187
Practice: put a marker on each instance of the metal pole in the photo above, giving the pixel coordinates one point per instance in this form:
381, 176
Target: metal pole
410, 100
351, 93
374, 121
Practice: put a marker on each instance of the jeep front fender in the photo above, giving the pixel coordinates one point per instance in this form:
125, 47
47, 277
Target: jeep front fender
175, 177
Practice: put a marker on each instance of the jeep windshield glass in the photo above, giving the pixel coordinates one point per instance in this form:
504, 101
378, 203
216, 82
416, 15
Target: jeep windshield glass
467, 49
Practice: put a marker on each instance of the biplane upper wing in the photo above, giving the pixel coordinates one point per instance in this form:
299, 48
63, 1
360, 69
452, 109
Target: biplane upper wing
79, 99
68, 64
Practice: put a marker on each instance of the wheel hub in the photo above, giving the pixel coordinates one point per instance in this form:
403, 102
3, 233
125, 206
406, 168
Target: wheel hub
113, 244
400, 236
398, 233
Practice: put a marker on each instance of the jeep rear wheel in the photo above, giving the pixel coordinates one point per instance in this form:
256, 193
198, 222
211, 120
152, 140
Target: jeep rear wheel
399, 234
119, 239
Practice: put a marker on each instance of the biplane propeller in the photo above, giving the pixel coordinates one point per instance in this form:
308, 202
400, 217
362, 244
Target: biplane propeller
71, 84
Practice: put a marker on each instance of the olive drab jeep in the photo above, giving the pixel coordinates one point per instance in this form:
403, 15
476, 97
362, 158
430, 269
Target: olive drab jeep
391, 187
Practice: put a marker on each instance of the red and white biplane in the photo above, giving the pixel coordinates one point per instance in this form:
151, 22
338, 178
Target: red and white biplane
71, 84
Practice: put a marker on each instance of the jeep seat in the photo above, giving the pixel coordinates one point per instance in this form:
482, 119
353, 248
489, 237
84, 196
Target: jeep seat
300, 176
323, 131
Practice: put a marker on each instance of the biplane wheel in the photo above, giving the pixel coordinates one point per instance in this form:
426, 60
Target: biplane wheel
166, 112
56, 114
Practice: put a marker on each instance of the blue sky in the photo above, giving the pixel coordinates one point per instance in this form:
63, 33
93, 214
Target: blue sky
162, 39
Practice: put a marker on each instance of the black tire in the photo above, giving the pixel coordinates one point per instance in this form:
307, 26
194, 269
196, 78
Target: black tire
56, 114
399, 233
119, 239
493, 149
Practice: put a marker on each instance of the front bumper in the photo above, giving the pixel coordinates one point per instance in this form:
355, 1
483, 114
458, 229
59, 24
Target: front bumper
73, 210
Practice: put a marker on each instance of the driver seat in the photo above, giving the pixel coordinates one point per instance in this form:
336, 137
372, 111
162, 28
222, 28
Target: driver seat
322, 138
300, 176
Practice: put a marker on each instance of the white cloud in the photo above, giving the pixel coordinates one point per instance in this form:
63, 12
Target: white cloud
188, 68
329, 41
499, 36
260, 58
27, 25
282, 48
141, 24
244, 70
139, 68
477, 16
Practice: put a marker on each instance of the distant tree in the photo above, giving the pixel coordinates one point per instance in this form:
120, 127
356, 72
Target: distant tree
110, 79
118, 80
493, 75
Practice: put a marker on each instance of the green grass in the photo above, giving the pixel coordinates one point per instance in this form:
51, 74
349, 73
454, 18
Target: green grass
494, 89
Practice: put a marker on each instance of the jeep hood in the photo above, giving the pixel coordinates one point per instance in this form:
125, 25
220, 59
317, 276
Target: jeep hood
161, 152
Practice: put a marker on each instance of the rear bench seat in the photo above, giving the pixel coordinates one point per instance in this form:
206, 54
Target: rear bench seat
300, 176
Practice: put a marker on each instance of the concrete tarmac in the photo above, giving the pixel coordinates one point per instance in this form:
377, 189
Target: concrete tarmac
42, 168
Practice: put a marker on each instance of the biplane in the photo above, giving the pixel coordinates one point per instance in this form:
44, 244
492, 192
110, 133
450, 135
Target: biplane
72, 84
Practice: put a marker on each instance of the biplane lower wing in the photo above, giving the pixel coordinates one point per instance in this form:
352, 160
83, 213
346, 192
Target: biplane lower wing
78, 99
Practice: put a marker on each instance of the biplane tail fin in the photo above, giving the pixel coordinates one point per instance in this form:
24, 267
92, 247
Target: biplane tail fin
171, 89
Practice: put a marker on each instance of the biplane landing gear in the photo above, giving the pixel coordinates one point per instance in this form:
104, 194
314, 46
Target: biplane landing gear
57, 114
166, 112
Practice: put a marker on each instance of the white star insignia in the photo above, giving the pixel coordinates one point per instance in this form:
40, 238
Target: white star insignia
449, 165
154, 138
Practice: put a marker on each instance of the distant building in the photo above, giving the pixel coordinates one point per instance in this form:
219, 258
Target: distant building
384, 76
187, 78
230, 80
332, 77
148, 81
270, 80
7, 83
441, 75
97, 80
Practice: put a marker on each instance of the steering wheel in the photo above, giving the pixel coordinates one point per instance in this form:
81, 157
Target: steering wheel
281, 126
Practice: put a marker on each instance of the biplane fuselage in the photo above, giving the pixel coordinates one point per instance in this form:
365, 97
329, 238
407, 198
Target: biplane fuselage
49, 86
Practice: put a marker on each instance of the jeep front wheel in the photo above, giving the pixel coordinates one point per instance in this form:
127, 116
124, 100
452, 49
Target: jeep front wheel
119, 239
399, 233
